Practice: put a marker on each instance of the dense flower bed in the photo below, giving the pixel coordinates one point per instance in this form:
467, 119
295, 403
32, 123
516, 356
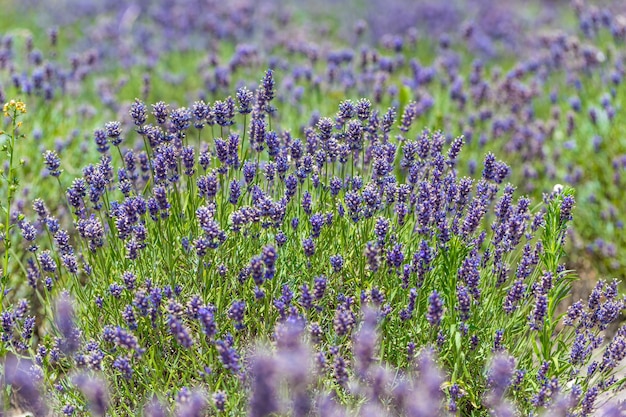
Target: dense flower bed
311, 244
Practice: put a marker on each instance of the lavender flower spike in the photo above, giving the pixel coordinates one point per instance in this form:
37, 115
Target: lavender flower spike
435, 309
94, 390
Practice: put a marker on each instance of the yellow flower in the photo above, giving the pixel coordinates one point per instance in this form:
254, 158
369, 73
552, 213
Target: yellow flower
14, 106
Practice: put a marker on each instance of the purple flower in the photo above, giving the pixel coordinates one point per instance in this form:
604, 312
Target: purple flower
94, 389
53, 163
179, 331
319, 287
500, 375
180, 119
497, 341
363, 109
454, 151
219, 400
18, 373
236, 313
336, 262
244, 100
64, 320
589, 400
317, 221
235, 192
207, 185
92, 230
122, 364
469, 273
340, 369
306, 202
264, 396
266, 92
228, 356
193, 406
381, 228
308, 245
353, 203
200, 111
395, 256
515, 294
536, 318
29, 232
100, 138
306, 299
489, 170
160, 111
464, 302
372, 251
435, 309
224, 112
566, 208
113, 131
407, 313
188, 159
205, 316
138, 112
280, 238
344, 320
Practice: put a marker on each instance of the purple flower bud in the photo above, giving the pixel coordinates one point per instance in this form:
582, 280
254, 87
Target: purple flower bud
244, 100
228, 356
64, 320
53, 163
317, 221
160, 111
19, 375
308, 245
336, 262
193, 406
264, 397
319, 287
235, 192
236, 313
344, 320
489, 166
113, 131
219, 400
589, 400
500, 375
536, 318
138, 112
94, 390
435, 309
179, 331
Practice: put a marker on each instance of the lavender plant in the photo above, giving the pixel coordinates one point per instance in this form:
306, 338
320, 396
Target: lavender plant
343, 243
183, 254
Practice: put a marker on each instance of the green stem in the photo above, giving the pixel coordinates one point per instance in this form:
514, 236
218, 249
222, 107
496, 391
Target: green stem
11, 190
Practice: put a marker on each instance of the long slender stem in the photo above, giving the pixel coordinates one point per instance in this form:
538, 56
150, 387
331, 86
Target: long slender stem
7, 221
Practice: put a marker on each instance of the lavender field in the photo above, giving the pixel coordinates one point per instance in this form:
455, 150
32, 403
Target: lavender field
360, 208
